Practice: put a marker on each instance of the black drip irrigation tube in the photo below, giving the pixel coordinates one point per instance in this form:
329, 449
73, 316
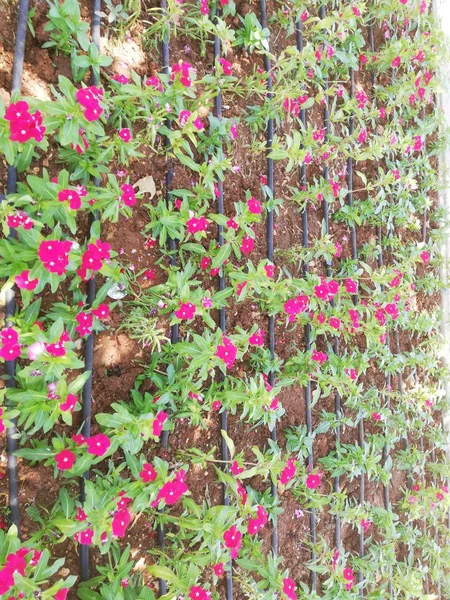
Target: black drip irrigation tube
222, 323
270, 244
386, 452
328, 265
308, 411
174, 330
86, 413
10, 300
354, 245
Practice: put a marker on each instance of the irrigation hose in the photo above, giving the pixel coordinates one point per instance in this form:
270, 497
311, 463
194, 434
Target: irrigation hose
86, 412
10, 303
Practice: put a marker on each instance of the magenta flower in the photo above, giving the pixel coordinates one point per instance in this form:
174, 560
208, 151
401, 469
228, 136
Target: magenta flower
335, 323
227, 352
23, 283
56, 349
183, 69
62, 594
98, 444
65, 460
19, 219
351, 286
425, 257
313, 480
257, 339
84, 321
218, 569
123, 79
254, 206
69, 403
71, 197
396, 62
54, 255
10, 351
124, 134
186, 311
84, 537
128, 196
120, 522
270, 270
195, 225
319, 357
148, 473
296, 305
288, 472
171, 492
233, 540
198, 593
226, 66
289, 588
9, 336
184, 117
198, 124
101, 312
247, 245
158, 423
257, 523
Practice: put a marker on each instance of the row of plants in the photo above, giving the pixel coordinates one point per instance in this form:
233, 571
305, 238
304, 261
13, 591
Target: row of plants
100, 132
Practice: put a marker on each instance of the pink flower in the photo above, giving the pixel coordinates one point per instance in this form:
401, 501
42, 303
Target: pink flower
23, 125
9, 336
148, 473
227, 352
128, 196
84, 321
101, 312
254, 206
171, 492
65, 460
205, 262
335, 323
233, 540
366, 525
23, 283
154, 82
289, 588
319, 357
296, 305
62, 594
396, 62
35, 350
71, 197
218, 569
257, 339
288, 472
216, 405
257, 523
198, 124
195, 225
270, 270
10, 352
69, 403
84, 537
98, 444
226, 66
313, 480
158, 423
198, 593
81, 515
247, 244
235, 468
56, 349
123, 79
425, 256
124, 134
347, 574
54, 255
120, 522
351, 286
183, 69
186, 311
184, 117
376, 416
